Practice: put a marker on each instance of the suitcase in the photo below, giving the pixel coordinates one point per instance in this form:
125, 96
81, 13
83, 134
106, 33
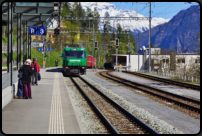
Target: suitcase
39, 76
20, 88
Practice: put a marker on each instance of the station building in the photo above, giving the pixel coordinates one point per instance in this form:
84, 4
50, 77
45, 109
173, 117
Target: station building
164, 63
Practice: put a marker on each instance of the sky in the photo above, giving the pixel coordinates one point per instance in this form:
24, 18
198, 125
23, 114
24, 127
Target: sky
165, 10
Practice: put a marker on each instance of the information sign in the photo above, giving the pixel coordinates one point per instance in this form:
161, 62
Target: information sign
37, 30
47, 49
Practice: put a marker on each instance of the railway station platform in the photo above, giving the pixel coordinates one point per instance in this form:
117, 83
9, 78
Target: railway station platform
50, 111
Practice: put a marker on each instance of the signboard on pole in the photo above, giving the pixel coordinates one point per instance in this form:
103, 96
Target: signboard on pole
37, 30
47, 49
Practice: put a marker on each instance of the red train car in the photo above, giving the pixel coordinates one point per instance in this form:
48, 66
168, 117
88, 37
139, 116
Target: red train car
90, 60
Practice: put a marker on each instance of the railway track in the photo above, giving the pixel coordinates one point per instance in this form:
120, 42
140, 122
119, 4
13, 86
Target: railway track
117, 119
167, 81
188, 103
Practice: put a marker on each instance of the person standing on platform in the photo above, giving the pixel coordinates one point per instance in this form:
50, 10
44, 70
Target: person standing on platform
26, 79
35, 67
56, 62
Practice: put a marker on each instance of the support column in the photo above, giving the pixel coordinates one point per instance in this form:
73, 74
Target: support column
29, 46
9, 41
99, 55
138, 54
129, 47
36, 47
24, 41
19, 40
149, 37
44, 62
104, 53
93, 46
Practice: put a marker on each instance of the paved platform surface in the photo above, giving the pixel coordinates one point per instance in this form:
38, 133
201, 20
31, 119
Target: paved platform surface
49, 111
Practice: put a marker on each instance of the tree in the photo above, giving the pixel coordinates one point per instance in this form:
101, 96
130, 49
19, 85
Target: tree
66, 10
106, 18
89, 13
133, 43
96, 15
152, 46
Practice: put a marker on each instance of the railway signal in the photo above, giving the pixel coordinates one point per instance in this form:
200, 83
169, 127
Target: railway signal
117, 42
95, 45
56, 31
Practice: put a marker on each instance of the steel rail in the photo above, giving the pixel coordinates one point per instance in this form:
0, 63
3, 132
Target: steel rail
158, 95
126, 112
178, 83
104, 119
159, 90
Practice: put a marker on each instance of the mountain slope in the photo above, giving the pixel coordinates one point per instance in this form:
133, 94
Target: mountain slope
178, 34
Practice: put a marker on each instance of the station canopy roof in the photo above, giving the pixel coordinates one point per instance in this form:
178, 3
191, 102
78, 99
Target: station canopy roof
35, 13
30, 7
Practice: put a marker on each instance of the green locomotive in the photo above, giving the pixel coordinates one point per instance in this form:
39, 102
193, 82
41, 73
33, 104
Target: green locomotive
74, 61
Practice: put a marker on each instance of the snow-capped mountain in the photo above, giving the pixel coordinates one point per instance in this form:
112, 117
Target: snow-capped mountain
134, 26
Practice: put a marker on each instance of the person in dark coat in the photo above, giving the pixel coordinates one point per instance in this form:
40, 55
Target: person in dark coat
56, 62
26, 78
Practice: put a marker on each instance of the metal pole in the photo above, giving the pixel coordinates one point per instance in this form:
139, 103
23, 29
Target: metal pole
116, 58
86, 45
93, 45
18, 40
9, 41
4, 30
36, 49
149, 37
49, 56
104, 53
44, 65
61, 51
24, 43
29, 46
96, 51
129, 46
99, 56
138, 53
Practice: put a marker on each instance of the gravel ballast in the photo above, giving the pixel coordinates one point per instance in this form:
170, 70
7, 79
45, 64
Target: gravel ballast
169, 88
89, 120
176, 119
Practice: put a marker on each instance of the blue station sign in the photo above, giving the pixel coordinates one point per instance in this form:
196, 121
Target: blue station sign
47, 49
37, 30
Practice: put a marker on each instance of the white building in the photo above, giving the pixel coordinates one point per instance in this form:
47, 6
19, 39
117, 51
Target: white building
187, 61
158, 61
123, 59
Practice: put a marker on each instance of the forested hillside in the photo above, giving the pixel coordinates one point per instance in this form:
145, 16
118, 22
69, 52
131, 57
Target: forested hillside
105, 40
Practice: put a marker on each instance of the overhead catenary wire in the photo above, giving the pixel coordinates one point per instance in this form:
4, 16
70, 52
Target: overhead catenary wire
161, 5
165, 8
173, 11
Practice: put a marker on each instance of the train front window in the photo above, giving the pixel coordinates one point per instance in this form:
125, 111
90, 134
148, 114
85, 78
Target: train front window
75, 54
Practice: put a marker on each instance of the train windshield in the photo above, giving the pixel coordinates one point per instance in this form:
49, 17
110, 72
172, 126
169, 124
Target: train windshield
75, 54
